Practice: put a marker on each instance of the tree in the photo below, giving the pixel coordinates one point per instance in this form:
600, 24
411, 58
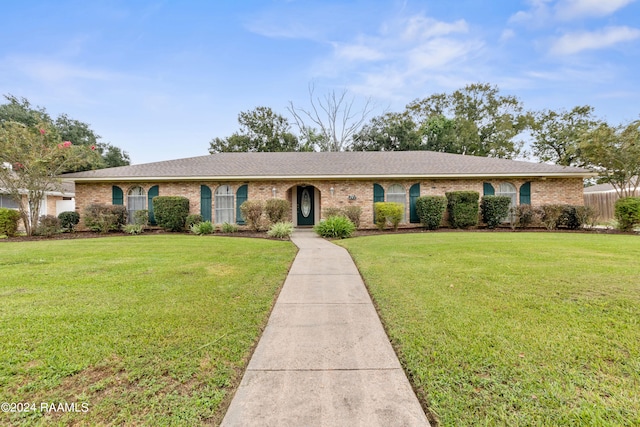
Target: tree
614, 152
485, 122
31, 158
390, 132
557, 134
332, 121
260, 130
99, 156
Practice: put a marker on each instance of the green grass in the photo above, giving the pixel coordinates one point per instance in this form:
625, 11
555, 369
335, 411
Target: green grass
148, 330
512, 328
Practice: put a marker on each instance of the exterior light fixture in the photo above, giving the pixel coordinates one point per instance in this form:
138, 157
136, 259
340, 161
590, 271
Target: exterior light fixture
331, 190
273, 191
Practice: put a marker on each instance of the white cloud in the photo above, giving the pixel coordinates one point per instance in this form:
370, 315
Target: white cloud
422, 27
538, 13
51, 70
572, 9
572, 43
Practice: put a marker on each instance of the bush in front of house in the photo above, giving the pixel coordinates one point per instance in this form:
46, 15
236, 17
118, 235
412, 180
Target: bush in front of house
192, 219
227, 227
281, 230
105, 218
9, 222
353, 213
575, 217
48, 225
251, 211
141, 218
463, 208
627, 213
494, 209
430, 210
524, 216
551, 215
68, 220
335, 227
171, 212
133, 229
277, 210
388, 213
202, 228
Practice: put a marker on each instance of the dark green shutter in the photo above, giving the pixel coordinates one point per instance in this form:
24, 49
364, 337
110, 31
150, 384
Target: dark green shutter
414, 193
525, 193
241, 197
205, 203
153, 192
117, 196
488, 189
378, 196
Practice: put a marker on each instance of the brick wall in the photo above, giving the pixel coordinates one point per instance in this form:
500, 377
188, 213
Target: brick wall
345, 192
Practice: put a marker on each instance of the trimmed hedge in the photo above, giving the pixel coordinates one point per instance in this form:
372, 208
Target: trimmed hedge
105, 218
494, 209
69, 220
463, 208
171, 212
388, 213
9, 222
431, 210
627, 212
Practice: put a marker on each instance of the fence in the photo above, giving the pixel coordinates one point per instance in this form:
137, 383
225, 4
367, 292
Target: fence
603, 203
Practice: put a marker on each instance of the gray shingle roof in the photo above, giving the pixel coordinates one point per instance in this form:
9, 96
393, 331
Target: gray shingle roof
371, 164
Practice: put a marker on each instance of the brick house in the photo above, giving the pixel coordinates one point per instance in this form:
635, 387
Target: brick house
216, 185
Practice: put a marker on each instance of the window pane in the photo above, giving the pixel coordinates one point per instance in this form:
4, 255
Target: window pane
396, 194
224, 205
136, 201
7, 202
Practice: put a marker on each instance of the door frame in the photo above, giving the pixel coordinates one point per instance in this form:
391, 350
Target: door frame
316, 204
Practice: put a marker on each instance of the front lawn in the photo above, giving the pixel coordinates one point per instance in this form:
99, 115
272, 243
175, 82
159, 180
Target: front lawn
512, 328
145, 330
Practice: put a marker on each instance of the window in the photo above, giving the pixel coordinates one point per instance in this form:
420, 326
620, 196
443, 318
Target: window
225, 208
396, 194
136, 201
508, 190
7, 202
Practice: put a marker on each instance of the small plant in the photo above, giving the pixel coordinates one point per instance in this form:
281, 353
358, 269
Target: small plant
463, 208
337, 227
141, 218
494, 210
627, 213
252, 213
277, 210
388, 213
431, 210
48, 225
281, 230
69, 220
229, 228
192, 219
133, 229
353, 213
171, 212
203, 228
552, 216
9, 222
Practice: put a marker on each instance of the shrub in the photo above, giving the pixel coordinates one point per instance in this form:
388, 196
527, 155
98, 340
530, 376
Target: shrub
627, 213
251, 211
229, 228
388, 213
333, 212
353, 213
171, 212
277, 210
494, 209
463, 208
48, 225
192, 219
133, 228
281, 230
105, 218
339, 227
430, 210
524, 216
141, 218
69, 220
551, 216
574, 217
202, 228
9, 222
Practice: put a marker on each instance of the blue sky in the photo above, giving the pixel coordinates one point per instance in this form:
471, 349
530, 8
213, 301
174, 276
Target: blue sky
160, 79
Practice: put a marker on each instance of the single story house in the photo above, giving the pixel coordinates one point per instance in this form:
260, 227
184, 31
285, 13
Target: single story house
217, 184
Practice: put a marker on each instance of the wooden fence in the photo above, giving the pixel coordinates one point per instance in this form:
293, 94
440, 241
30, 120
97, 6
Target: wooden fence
603, 203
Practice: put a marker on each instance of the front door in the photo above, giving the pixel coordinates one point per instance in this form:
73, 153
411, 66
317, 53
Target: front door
305, 205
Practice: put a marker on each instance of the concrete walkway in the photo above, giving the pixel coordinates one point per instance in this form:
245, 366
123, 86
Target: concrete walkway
324, 358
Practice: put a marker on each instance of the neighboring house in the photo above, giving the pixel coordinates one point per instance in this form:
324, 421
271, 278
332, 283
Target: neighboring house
602, 198
54, 201
216, 185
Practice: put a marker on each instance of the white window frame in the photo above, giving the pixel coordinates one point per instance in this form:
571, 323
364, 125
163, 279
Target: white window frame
224, 205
